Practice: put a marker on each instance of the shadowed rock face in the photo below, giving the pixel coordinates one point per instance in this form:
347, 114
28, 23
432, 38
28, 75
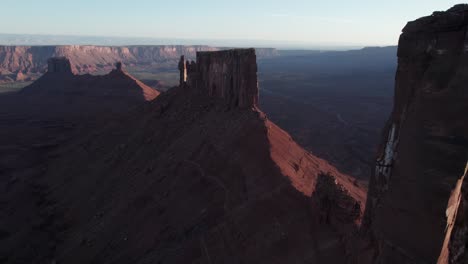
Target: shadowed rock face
60, 92
53, 111
59, 65
185, 181
229, 74
423, 153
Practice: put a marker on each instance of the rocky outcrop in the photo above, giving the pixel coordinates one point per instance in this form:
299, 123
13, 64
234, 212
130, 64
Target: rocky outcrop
425, 142
229, 74
118, 66
336, 205
182, 71
59, 65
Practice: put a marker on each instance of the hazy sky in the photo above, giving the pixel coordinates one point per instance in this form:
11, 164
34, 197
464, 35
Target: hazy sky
324, 22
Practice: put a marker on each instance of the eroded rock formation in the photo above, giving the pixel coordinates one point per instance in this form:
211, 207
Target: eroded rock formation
335, 204
59, 65
118, 66
229, 74
182, 70
424, 149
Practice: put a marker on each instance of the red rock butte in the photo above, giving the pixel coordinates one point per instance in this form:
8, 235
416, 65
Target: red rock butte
227, 74
59, 65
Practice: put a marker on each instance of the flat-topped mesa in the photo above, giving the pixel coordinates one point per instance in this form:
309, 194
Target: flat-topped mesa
59, 65
227, 74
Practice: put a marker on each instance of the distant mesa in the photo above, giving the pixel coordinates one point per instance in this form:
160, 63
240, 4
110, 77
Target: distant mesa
227, 74
32, 60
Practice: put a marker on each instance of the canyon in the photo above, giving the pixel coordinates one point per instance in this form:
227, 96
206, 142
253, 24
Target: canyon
23, 63
312, 95
105, 169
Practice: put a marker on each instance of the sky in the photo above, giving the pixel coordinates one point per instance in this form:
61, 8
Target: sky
253, 22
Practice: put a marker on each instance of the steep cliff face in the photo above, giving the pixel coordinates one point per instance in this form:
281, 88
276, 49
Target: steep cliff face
424, 149
230, 74
59, 65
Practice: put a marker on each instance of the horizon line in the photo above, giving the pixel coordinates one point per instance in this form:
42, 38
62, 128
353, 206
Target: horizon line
101, 40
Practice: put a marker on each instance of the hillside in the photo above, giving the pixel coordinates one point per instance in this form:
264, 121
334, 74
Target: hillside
54, 110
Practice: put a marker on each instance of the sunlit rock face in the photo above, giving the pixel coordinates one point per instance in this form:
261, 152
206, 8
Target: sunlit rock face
423, 153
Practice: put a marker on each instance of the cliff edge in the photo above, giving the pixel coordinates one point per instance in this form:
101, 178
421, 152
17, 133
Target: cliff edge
423, 154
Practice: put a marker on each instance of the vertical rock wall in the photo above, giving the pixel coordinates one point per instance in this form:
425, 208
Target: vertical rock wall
228, 74
59, 65
424, 147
